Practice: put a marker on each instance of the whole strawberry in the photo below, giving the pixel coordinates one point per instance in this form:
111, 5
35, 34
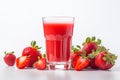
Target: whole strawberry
9, 58
105, 60
89, 46
33, 52
93, 55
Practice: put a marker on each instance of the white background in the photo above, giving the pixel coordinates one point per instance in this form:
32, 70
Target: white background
21, 22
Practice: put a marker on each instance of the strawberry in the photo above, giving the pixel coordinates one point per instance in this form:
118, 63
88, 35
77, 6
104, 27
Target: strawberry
33, 52
93, 55
105, 60
41, 63
9, 58
22, 62
89, 46
80, 63
75, 52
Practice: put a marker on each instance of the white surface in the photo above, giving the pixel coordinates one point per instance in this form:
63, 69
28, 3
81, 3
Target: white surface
10, 73
21, 22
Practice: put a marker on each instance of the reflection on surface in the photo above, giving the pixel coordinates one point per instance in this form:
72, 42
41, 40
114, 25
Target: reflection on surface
58, 75
12, 73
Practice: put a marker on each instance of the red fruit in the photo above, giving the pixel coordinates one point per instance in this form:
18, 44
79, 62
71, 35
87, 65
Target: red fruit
33, 52
74, 55
80, 63
75, 52
92, 63
89, 46
22, 62
93, 55
10, 58
40, 64
105, 60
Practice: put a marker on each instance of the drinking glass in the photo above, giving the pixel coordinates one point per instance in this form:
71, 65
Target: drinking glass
58, 33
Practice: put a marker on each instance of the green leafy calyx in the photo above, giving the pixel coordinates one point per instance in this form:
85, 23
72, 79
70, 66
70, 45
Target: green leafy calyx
44, 55
110, 58
92, 39
76, 49
34, 45
12, 52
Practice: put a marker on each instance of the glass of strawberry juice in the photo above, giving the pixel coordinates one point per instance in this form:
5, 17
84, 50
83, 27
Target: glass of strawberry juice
58, 33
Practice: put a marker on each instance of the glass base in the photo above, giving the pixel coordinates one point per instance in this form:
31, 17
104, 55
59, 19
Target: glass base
59, 65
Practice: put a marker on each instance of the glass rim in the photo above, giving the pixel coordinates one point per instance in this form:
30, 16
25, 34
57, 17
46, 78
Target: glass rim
58, 19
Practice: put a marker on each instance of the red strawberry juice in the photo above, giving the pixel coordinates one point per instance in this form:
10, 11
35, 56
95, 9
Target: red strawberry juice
58, 36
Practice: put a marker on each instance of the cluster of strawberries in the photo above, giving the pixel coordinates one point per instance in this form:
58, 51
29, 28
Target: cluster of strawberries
92, 55
31, 57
